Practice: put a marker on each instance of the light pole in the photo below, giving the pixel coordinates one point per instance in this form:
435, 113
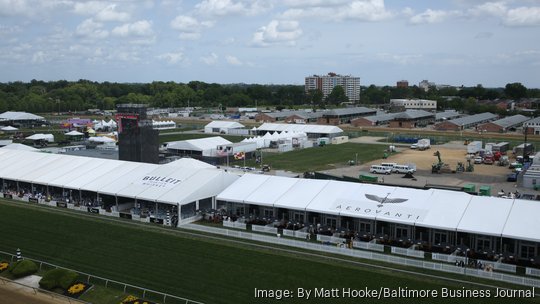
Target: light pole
356, 160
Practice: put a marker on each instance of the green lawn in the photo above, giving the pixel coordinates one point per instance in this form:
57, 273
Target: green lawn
199, 268
321, 158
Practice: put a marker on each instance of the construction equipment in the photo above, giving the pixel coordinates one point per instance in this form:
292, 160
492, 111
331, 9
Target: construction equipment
440, 167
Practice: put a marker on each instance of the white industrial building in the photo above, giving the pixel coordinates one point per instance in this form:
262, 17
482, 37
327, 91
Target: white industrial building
222, 126
414, 104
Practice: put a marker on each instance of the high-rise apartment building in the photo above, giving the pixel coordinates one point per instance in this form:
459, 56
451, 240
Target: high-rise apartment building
326, 83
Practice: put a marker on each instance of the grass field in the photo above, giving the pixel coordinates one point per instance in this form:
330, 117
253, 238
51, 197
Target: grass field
321, 158
199, 268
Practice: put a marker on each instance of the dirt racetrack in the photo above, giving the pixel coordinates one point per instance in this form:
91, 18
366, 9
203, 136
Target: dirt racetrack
16, 294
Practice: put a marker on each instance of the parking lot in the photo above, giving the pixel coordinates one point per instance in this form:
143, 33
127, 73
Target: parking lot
451, 153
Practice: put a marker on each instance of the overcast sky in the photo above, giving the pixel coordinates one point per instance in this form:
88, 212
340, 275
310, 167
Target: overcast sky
455, 42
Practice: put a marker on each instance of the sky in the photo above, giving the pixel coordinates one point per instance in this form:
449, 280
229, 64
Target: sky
453, 42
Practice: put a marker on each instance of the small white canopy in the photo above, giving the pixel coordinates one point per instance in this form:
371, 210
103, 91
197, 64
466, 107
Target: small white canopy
9, 128
101, 139
74, 133
40, 136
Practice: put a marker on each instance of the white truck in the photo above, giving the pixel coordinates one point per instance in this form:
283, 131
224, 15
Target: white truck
474, 147
423, 144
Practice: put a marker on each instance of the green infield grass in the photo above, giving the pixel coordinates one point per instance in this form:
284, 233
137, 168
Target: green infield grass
196, 267
321, 158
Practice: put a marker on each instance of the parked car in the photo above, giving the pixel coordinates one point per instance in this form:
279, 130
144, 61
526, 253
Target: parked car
403, 169
380, 169
478, 160
414, 146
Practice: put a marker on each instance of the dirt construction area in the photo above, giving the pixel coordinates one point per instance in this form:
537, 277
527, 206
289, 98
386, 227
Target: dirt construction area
451, 153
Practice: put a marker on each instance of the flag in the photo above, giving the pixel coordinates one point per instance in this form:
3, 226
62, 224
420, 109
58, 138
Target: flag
239, 155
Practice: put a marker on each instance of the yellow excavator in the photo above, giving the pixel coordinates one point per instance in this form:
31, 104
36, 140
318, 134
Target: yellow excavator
440, 167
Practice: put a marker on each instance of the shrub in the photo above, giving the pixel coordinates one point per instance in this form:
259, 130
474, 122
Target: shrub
62, 278
23, 268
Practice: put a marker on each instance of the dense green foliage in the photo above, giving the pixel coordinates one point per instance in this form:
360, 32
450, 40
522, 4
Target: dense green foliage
23, 268
58, 278
199, 268
61, 96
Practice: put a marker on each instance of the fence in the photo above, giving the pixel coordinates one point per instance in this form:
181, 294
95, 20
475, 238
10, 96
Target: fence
532, 271
368, 246
236, 224
454, 258
408, 252
519, 280
108, 283
264, 229
295, 233
330, 239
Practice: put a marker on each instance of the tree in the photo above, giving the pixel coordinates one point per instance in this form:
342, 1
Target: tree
515, 90
337, 96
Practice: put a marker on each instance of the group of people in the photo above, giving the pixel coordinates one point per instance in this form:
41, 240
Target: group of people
511, 195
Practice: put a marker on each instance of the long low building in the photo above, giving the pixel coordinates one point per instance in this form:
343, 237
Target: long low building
433, 215
113, 187
504, 124
312, 131
465, 122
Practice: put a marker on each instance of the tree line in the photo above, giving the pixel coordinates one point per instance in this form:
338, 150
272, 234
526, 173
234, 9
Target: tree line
61, 96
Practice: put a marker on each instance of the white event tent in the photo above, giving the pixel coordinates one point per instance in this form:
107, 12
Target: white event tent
431, 208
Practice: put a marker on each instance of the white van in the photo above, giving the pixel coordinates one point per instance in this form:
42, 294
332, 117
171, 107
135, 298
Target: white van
403, 169
389, 165
380, 169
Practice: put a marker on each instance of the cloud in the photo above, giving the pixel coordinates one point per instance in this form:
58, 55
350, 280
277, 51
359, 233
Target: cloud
189, 27
211, 59
523, 16
91, 29
141, 28
230, 7
360, 10
89, 8
109, 13
277, 32
39, 57
483, 35
431, 16
519, 16
173, 58
232, 60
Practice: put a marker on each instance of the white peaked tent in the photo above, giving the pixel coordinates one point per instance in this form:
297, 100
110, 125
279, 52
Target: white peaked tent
9, 128
40, 136
74, 133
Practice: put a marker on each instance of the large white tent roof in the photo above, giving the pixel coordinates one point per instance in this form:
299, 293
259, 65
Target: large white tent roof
180, 183
10, 115
200, 144
224, 124
318, 129
431, 208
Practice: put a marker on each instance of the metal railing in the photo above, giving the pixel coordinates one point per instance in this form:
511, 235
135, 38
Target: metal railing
455, 258
264, 229
368, 246
532, 271
236, 224
518, 280
408, 252
108, 283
